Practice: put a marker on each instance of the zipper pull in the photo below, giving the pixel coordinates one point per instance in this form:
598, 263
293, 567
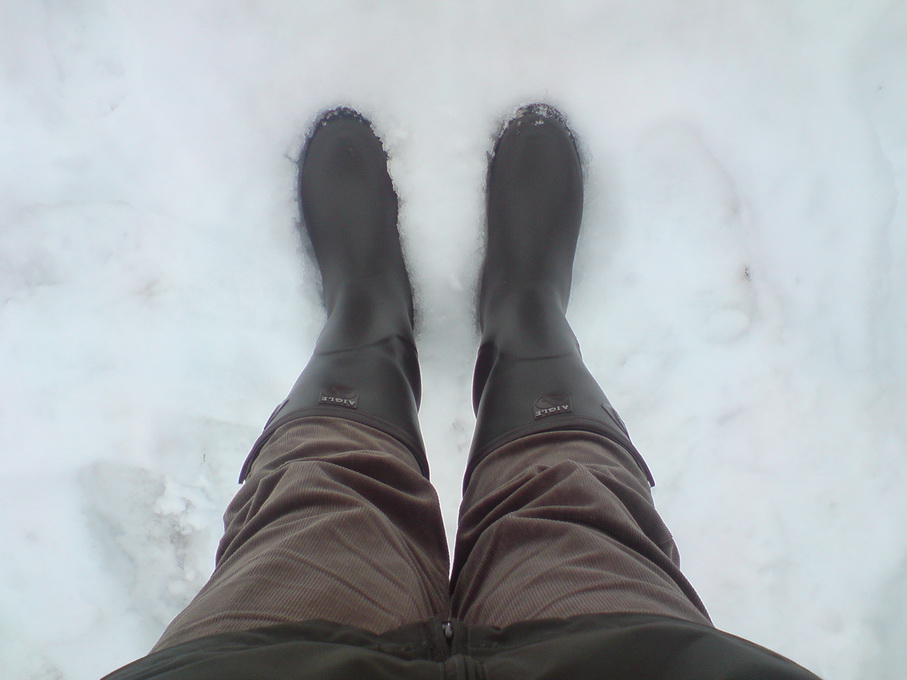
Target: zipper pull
448, 630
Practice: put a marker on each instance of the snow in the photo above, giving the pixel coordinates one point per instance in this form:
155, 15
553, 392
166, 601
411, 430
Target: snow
741, 291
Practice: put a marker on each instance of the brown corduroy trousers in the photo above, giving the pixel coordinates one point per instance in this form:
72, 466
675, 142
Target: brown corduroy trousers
336, 522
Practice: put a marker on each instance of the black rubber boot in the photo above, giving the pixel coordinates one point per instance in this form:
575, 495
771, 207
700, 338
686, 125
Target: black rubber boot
529, 375
364, 366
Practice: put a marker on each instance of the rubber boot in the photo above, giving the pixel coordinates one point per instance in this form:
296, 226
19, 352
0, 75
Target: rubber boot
530, 376
364, 366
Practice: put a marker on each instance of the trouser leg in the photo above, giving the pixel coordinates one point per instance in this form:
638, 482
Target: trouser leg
335, 521
561, 524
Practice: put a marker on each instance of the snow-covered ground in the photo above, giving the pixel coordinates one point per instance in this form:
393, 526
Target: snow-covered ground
741, 293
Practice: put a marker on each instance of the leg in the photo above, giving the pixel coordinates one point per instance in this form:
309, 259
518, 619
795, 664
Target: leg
557, 517
335, 521
336, 518
559, 524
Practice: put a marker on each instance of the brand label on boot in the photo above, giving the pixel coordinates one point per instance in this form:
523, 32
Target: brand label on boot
552, 404
339, 396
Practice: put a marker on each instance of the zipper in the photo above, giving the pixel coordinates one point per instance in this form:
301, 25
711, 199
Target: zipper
459, 665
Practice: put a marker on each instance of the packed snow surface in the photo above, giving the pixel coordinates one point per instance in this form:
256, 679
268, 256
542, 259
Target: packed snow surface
741, 290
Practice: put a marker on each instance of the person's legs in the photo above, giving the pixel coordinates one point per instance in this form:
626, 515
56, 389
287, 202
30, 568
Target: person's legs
557, 518
337, 519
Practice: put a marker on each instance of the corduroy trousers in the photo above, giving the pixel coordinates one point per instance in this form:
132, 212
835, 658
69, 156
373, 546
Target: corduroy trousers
336, 522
